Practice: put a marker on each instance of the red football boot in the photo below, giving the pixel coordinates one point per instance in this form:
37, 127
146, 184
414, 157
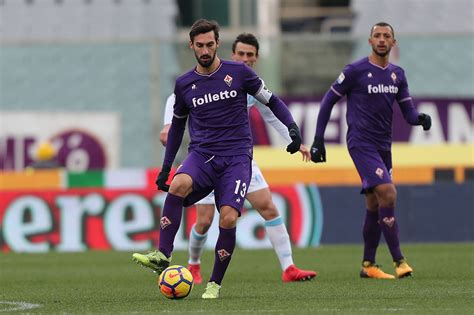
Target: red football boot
292, 273
196, 272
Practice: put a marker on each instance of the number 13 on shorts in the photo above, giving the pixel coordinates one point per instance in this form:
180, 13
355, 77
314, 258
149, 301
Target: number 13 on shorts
240, 188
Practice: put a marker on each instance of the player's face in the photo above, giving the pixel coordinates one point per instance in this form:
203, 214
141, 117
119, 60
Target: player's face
382, 40
245, 53
205, 46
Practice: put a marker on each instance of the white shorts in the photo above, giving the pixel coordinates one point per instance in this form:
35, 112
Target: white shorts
256, 183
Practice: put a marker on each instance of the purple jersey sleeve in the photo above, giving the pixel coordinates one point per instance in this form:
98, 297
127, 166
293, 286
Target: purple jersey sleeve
251, 81
176, 132
405, 102
345, 80
339, 88
329, 99
256, 87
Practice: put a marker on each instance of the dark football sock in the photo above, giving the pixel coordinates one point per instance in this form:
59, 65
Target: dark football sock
390, 232
223, 253
169, 222
371, 232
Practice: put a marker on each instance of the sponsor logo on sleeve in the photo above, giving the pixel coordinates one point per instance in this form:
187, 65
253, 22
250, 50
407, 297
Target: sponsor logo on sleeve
341, 78
379, 172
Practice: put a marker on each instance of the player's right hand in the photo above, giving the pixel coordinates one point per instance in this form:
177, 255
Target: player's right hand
318, 151
163, 178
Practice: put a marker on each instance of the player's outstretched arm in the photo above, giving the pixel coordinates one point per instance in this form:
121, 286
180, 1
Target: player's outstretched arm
280, 110
175, 137
256, 87
270, 118
318, 150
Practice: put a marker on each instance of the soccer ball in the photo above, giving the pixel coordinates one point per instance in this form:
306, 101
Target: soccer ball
175, 282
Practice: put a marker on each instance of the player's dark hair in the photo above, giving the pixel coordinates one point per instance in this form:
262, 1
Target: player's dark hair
383, 24
202, 26
246, 38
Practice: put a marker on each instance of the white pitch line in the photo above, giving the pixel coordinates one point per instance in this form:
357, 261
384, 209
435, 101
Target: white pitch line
18, 306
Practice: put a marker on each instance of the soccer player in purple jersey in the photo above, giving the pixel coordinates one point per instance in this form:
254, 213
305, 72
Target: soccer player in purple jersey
372, 84
245, 49
214, 96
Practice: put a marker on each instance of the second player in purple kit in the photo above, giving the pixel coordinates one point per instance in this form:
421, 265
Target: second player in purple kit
372, 85
214, 98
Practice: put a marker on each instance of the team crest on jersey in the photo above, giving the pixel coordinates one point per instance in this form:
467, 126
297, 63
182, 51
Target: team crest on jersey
341, 78
228, 80
394, 77
379, 172
223, 254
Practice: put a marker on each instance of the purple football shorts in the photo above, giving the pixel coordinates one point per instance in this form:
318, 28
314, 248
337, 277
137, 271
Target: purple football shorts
374, 167
228, 176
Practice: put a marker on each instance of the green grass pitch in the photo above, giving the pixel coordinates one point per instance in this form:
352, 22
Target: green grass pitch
109, 282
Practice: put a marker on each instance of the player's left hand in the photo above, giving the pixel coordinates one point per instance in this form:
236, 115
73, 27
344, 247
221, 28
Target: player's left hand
425, 121
163, 178
294, 132
305, 153
318, 150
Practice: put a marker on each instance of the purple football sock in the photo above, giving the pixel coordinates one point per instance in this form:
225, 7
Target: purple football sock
169, 222
223, 253
390, 232
371, 232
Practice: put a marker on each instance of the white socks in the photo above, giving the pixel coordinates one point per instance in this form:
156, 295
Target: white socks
280, 240
276, 232
196, 246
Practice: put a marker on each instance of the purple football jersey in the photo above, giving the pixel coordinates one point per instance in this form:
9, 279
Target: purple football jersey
371, 91
217, 107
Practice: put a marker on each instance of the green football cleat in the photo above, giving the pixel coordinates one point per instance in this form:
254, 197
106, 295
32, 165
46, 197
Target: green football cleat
155, 260
212, 291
